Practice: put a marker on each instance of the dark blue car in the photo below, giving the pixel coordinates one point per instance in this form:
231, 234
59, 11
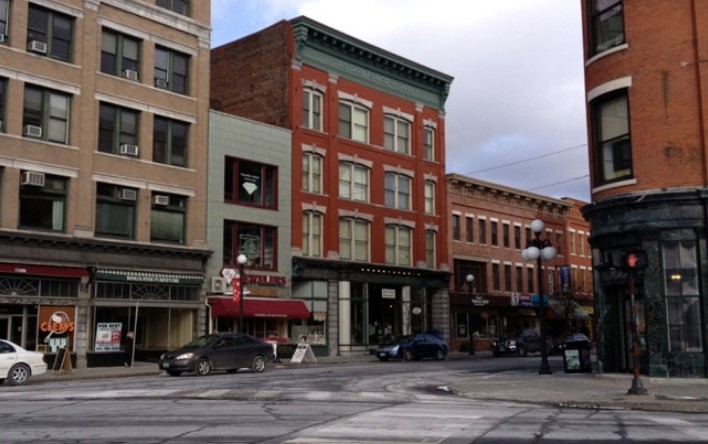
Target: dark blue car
410, 347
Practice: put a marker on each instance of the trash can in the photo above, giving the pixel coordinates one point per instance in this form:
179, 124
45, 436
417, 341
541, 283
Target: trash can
576, 355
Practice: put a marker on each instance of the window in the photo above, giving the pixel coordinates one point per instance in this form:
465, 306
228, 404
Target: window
119, 54
353, 182
171, 70
683, 297
494, 233
250, 183
507, 277
528, 235
257, 242
178, 6
4, 16
42, 206
469, 232
482, 231
46, 114
312, 234
456, 227
529, 279
495, 277
354, 239
429, 143
519, 279
3, 95
116, 126
430, 236
168, 218
353, 121
312, 173
397, 134
312, 109
571, 235
429, 197
517, 237
607, 26
612, 150
398, 245
169, 139
506, 235
52, 29
397, 193
559, 244
115, 211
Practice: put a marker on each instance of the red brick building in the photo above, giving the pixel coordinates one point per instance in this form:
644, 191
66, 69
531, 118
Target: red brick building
368, 192
646, 77
489, 226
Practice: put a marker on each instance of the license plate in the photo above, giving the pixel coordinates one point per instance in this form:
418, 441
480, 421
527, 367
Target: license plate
382, 354
165, 365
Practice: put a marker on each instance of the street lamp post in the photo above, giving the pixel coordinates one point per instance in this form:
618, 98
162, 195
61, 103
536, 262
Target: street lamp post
470, 283
538, 249
241, 259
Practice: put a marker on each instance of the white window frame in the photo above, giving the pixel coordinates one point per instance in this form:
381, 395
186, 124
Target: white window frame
395, 247
312, 119
353, 188
399, 140
429, 206
359, 123
429, 143
430, 248
311, 240
395, 197
312, 181
359, 249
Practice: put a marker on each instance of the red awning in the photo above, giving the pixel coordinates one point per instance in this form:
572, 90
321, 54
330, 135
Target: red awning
40, 270
260, 308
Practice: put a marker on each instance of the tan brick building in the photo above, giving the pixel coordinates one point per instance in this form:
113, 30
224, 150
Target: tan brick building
103, 155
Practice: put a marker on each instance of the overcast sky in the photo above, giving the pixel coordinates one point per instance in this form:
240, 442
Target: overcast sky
515, 114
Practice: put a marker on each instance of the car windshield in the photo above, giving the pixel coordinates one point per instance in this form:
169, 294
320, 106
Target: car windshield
201, 341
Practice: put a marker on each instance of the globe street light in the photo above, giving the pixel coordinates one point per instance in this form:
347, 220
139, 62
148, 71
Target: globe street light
241, 259
470, 282
538, 249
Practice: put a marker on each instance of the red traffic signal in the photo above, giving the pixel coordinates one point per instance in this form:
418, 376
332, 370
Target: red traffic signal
635, 259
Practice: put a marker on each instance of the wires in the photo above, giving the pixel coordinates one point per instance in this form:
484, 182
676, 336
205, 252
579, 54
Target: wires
484, 170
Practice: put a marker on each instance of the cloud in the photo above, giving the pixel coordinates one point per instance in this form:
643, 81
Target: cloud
518, 91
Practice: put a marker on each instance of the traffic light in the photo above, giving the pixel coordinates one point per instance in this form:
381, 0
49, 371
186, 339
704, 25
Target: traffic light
636, 260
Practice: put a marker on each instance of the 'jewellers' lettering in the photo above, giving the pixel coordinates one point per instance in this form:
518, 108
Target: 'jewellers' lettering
265, 279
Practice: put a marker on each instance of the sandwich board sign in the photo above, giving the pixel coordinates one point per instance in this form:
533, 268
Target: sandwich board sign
303, 352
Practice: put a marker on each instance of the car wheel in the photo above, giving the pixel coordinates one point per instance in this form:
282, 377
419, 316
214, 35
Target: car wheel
259, 364
203, 367
523, 352
173, 373
407, 355
1, 381
440, 354
19, 374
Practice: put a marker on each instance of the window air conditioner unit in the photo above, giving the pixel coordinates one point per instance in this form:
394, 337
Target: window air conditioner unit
32, 131
127, 194
161, 83
130, 74
37, 46
218, 285
159, 199
128, 149
33, 178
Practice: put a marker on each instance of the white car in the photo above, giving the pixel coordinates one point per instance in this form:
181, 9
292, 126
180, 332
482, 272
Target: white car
18, 364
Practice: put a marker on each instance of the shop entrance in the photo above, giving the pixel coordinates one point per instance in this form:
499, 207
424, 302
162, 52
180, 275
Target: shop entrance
20, 327
385, 322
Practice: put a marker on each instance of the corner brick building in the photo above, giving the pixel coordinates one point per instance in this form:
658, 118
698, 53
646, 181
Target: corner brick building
647, 97
368, 177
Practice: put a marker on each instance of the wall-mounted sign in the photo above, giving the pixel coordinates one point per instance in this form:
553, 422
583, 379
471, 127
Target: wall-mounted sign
388, 293
108, 336
57, 324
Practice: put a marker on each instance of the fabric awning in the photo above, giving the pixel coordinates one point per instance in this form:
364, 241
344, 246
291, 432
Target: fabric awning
260, 308
42, 270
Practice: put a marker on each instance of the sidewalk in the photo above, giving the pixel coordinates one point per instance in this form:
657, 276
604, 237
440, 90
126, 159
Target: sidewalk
587, 390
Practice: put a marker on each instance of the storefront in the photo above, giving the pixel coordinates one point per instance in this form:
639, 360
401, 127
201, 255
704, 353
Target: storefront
160, 309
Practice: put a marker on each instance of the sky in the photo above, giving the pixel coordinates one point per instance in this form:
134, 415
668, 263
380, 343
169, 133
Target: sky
515, 115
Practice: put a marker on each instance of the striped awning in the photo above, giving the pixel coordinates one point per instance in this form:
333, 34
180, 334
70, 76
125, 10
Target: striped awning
149, 277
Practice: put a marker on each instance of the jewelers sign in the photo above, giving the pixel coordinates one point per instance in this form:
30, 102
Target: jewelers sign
108, 336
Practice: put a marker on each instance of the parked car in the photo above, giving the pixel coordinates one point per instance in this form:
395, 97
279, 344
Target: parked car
17, 365
409, 347
578, 340
525, 342
228, 351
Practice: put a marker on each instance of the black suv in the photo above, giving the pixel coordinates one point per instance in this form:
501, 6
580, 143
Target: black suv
527, 341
